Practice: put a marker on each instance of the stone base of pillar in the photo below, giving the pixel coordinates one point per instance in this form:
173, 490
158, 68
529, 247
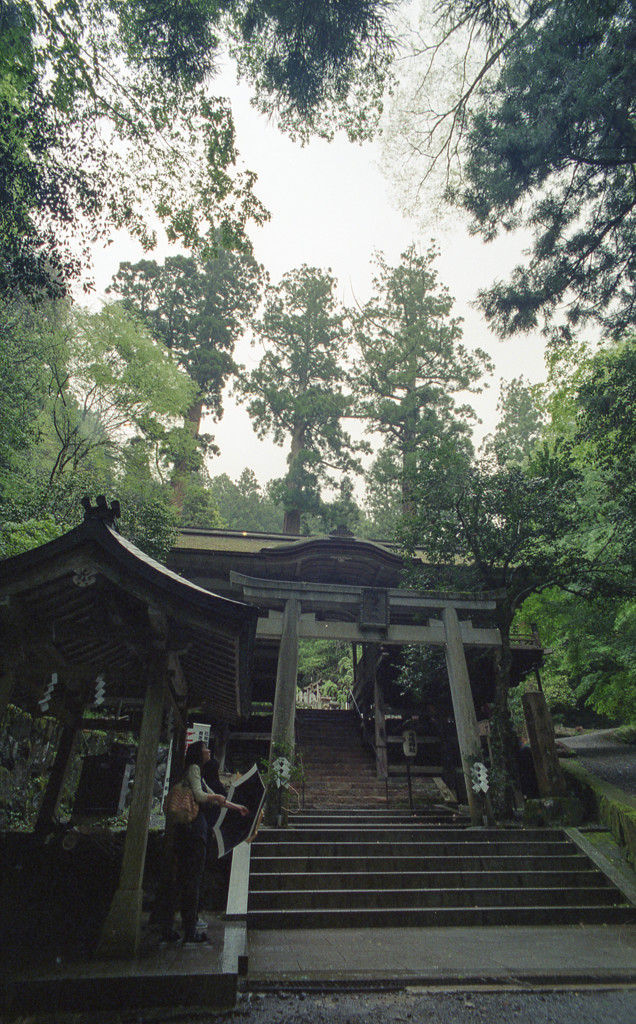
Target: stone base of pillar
121, 933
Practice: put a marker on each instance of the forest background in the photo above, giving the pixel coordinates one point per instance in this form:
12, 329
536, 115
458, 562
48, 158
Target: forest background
516, 117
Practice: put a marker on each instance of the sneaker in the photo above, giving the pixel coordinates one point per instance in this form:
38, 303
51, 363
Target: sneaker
201, 925
195, 939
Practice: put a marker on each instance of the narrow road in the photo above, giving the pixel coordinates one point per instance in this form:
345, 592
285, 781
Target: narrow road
603, 756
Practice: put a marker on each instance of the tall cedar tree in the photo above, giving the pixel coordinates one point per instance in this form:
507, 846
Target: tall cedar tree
296, 394
412, 362
198, 311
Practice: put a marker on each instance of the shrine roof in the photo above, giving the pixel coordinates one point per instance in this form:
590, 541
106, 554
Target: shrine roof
90, 603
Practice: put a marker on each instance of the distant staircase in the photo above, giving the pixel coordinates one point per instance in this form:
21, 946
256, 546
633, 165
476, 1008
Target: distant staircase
357, 868
339, 768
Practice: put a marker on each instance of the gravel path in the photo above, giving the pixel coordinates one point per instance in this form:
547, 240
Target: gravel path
576, 1007
605, 757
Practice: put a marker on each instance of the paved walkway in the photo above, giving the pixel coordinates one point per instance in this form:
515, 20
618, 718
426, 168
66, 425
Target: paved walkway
441, 956
601, 755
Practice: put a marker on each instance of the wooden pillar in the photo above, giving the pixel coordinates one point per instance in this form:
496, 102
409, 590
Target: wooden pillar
121, 932
371, 664
284, 714
464, 708
542, 744
179, 744
220, 747
59, 771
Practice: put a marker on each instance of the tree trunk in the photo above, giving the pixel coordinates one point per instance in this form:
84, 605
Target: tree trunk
409, 465
291, 522
182, 466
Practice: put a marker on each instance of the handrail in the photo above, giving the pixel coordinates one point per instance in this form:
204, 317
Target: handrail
385, 773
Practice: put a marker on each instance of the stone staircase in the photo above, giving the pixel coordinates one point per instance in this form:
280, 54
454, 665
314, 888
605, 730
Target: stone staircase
345, 867
339, 768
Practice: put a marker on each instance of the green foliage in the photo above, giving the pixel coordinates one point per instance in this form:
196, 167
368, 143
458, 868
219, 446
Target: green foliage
18, 537
412, 362
106, 118
539, 132
149, 518
198, 309
245, 505
341, 513
24, 355
328, 663
383, 495
519, 427
317, 67
592, 659
606, 431
106, 122
296, 393
200, 508
626, 734
424, 678
114, 381
101, 395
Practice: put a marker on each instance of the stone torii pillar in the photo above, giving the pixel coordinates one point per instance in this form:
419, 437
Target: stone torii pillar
464, 708
370, 662
284, 713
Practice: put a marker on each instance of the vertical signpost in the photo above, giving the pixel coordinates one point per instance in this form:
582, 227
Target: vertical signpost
409, 745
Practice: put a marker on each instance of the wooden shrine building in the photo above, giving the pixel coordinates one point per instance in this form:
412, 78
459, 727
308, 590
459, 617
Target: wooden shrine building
89, 612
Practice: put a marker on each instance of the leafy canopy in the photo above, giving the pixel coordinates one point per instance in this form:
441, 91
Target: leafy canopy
107, 120
538, 134
196, 309
96, 136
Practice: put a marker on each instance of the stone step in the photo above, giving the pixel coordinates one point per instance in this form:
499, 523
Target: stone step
428, 899
336, 767
418, 917
334, 815
431, 824
359, 864
412, 832
370, 848
428, 880
363, 868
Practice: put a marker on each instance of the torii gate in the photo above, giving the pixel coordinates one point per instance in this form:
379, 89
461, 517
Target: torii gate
290, 612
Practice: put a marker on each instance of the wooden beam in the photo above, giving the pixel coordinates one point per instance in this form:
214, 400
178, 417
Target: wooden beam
106, 724
543, 744
59, 771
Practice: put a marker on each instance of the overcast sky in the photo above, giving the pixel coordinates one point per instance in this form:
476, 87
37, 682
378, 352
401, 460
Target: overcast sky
330, 208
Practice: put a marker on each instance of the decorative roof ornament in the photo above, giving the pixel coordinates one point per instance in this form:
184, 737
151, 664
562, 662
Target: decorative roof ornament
341, 531
101, 510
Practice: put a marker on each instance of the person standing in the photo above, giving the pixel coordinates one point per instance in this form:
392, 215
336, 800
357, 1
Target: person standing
190, 845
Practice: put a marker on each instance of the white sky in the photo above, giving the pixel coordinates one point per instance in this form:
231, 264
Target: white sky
330, 208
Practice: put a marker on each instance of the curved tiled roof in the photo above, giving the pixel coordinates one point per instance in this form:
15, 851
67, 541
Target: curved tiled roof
90, 603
